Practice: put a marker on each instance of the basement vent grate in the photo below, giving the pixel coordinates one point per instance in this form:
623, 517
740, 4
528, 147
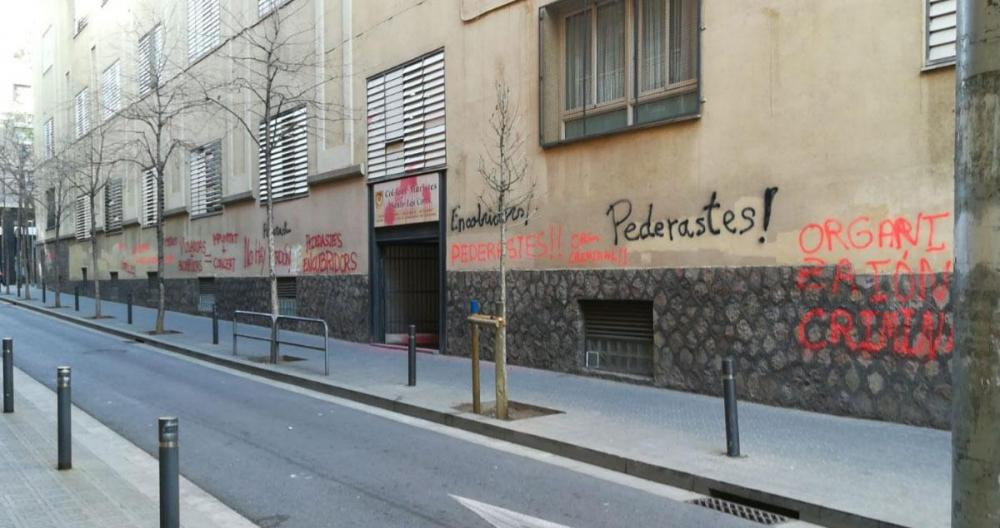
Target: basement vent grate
739, 510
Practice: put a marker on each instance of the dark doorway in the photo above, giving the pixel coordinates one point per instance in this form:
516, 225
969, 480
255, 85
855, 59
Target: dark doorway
410, 285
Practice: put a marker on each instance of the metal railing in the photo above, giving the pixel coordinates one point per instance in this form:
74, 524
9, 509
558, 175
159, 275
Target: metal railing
274, 339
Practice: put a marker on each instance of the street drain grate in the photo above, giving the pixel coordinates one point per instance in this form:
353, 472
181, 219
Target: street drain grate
739, 510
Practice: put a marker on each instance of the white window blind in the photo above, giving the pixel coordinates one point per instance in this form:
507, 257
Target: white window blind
203, 27
421, 144
111, 91
150, 59
82, 113
942, 33
206, 179
289, 155
266, 6
113, 206
83, 220
149, 213
49, 138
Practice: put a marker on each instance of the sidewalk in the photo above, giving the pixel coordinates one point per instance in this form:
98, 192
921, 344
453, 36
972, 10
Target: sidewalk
112, 484
835, 471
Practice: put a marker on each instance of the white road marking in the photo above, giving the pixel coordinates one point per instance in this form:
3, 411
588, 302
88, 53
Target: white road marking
504, 518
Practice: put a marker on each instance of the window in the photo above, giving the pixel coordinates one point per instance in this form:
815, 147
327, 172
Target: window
83, 221
50, 208
289, 156
152, 280
150, 215
48, 49
83, 272
82, 111
113, 206
206, 294
406, 126
203, 27
266, 6
618, 336
114, 276
287, 294
206, 179
49, 139
611, 65
942, 33
111, 91
150, 59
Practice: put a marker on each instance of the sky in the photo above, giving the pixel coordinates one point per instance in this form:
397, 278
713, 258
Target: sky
19, 29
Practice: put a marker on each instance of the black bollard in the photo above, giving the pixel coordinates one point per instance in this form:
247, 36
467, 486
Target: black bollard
129, 307
76, 298
732, 420
8, 375
19, 288
64, 419
43, 293
412, 356
215, 324
169, 481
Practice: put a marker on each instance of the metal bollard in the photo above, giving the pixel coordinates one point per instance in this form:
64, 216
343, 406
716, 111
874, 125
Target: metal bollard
8, 375
129, 307
76, 298
18, 288
64, 419
169, 468
43, 293
411, 354
732, 420
215, 324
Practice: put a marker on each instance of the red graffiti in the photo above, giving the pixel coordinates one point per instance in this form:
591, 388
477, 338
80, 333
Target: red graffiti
194, 246
140, 248
189, 265
224, 264
151, 260
544, 244
330, 262
873, 331
862, 233
581, 254
120, 247
128, 268
170, 241
907, 283
326, 240
258, 255
224, 238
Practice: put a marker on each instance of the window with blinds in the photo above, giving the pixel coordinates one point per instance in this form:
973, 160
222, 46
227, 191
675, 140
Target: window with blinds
150, 59
149, 198
289, 158
287, 296
113, 206
406, 122
203, 27
82, 113
82, 219
111, 91
206, 293
618, 336
49, 138
942, 32
206, 179
264, 7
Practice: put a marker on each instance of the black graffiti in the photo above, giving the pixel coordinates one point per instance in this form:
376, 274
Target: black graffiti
489, 217
710, 222
279, 230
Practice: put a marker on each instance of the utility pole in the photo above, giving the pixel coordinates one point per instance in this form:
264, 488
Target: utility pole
976, 292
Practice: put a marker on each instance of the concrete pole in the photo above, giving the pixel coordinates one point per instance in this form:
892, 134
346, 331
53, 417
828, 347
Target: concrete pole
976, 364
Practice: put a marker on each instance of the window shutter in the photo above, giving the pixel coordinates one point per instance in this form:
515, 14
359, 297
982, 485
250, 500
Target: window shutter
203, 27
113, 206
82, 113
150, 48
83, 219
206, 179
149, 197
50, 208
289, 152
48, 138
421, 143
942, 33
111, 91
266, 6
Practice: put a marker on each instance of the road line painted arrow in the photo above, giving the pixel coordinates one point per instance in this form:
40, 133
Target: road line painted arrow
504, 518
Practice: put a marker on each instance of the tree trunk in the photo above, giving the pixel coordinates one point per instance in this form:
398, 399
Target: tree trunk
501, 353
976, 365
93, 259
161, 303
22, 252
58, 271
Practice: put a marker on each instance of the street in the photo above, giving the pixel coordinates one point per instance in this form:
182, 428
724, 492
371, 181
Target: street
284, 458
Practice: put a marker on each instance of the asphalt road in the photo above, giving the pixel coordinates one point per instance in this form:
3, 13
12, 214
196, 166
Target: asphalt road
285, 459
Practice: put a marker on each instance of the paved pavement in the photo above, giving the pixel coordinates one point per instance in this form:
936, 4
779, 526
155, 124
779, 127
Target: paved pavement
887, 472
292, 459
112, 484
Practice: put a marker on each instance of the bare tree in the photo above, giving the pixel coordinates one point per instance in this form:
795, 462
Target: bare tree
508, 184
17, 165
277, 69
56, 194
92, 159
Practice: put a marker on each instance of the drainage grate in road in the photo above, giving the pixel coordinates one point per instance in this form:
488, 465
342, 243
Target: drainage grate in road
739, 510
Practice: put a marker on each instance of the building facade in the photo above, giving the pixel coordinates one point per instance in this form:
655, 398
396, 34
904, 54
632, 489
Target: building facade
765, 181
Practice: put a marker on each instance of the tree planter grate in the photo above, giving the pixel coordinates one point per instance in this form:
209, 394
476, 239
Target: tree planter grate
739, 510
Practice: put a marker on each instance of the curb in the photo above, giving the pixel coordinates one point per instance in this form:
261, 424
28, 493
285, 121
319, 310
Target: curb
808, 512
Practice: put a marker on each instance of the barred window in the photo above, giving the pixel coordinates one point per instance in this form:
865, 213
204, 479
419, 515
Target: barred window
111, 91
83, 219
113, 206
203, 27
149, 198
289, 166
49, 139
206, 179
264, 7
150, 59
82, 112
942, 32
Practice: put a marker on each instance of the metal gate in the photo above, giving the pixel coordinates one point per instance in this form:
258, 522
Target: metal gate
619, 336
410, 275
